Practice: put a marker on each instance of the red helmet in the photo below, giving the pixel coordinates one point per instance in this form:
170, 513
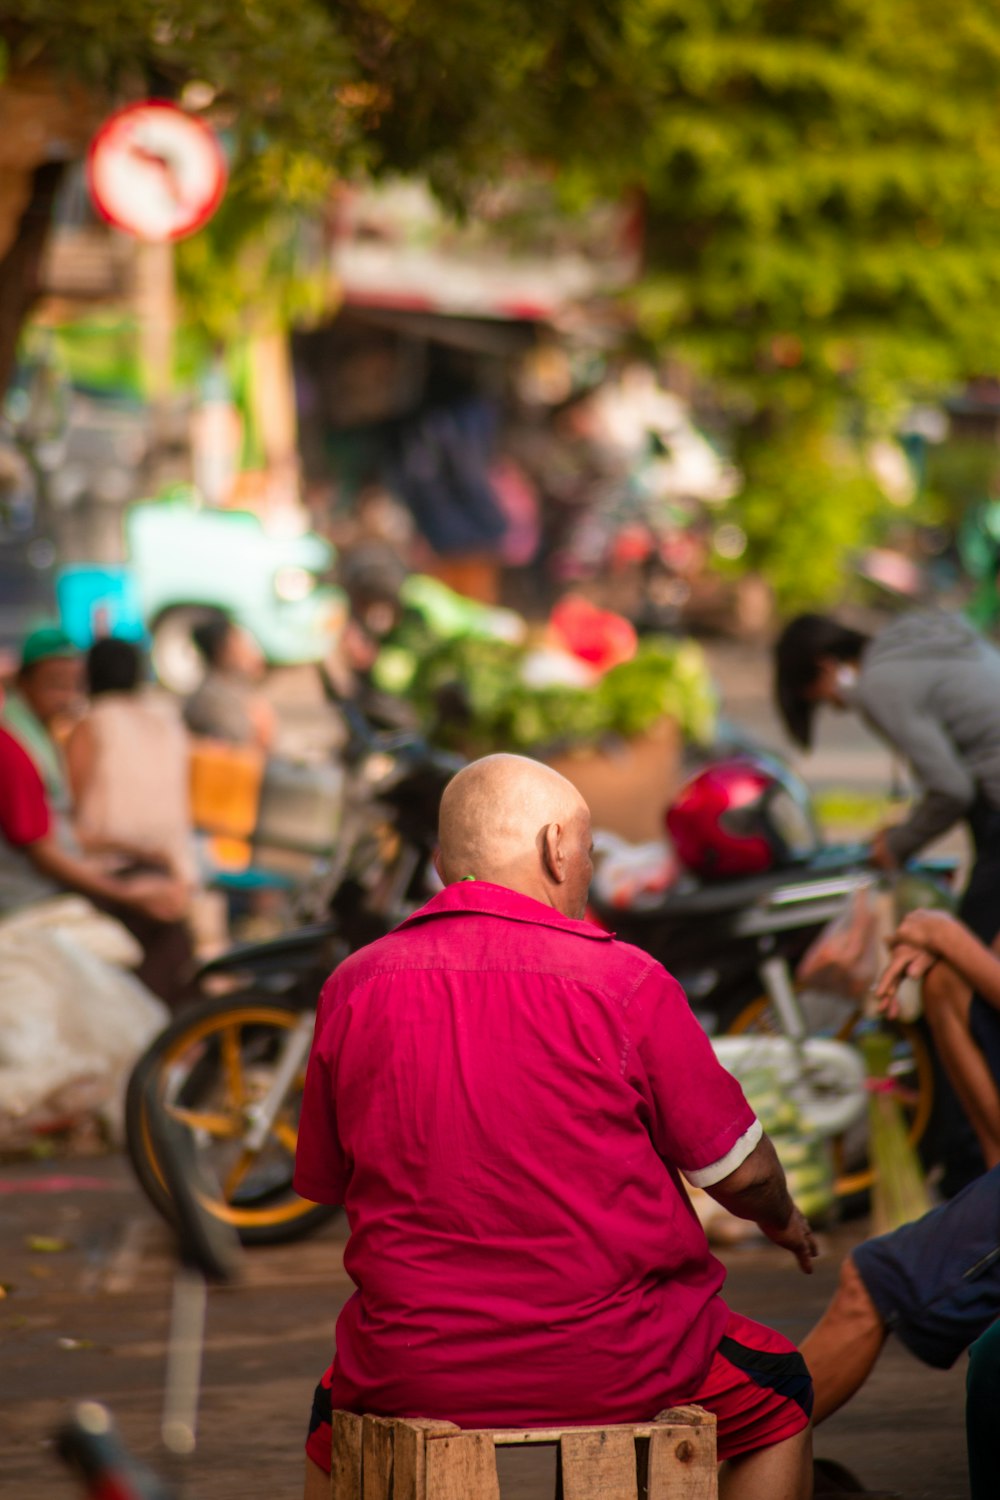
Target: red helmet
742, 816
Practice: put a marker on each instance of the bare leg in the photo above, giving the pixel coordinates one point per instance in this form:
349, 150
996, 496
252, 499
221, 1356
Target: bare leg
947, 1002
782, 1472
317, 1482
843, 1347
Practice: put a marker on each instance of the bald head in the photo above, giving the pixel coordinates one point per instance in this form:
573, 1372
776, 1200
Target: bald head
517, 823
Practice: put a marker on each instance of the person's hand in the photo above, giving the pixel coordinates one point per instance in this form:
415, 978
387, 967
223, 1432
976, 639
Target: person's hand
879, 853
924, 929
906, 961
797, 1238
158, 896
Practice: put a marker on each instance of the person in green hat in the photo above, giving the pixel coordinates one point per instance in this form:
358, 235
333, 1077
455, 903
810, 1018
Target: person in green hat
39, 855
47, 694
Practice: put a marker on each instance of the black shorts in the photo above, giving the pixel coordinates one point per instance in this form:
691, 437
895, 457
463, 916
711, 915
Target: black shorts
936, 1282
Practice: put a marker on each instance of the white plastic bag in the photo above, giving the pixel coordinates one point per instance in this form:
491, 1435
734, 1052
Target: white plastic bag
71, 1023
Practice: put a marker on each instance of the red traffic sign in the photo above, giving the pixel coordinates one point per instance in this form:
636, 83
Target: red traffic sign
155, 171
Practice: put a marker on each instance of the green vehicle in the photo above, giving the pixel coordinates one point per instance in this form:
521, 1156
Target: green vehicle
185, 561
188, 560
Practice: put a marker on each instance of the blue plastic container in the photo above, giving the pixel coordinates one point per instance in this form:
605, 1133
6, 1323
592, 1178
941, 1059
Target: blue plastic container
99, 601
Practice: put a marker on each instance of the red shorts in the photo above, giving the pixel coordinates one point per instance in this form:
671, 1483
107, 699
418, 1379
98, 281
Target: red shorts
757, 1385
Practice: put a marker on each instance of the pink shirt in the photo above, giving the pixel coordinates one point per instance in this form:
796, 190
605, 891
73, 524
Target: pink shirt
503, 1098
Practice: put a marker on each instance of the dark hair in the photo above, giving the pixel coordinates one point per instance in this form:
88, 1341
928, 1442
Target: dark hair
210, 637
797, 654
114, 666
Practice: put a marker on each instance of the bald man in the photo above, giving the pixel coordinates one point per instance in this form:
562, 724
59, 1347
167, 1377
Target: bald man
504, 1099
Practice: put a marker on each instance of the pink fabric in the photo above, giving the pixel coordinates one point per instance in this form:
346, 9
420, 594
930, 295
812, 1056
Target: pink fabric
24, 809
501, 1098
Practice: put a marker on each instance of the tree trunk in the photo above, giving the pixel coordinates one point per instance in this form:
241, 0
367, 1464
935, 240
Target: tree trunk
19, 267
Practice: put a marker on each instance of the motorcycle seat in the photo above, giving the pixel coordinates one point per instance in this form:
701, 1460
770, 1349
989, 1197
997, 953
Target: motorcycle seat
692, 898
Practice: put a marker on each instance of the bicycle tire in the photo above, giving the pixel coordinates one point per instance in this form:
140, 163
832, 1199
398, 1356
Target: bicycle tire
192, 1045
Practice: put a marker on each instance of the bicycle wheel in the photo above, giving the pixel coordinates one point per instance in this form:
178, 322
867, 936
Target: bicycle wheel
912, 1070
210, 1068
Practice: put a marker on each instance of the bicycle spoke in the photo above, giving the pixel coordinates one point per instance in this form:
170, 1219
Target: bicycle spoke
222, 1127
232, 1064
237, 1172
286, 1134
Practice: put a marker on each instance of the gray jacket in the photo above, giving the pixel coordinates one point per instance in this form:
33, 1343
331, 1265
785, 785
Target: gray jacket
930, 685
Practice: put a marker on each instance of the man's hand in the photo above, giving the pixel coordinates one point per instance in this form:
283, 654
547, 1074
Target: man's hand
757, 1190
159, 897
797, 1238
905, 962
879, 853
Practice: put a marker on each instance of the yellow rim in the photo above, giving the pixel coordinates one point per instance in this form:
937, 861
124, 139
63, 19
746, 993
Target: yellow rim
226, 1123
753, 1017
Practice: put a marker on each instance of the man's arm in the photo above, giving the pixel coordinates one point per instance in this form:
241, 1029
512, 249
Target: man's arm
757, 1190
948, 785
157, 896
924, 937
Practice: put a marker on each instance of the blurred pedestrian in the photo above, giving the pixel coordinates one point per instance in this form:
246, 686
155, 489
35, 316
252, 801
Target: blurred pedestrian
47, 696
39, 861
127, 760
929, 684
229, 705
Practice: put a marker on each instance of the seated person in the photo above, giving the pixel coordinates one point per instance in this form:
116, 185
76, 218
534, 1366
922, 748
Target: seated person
934, 1283
504, 1098
228, 705
128, 765
961, 997
46, 697
35, 865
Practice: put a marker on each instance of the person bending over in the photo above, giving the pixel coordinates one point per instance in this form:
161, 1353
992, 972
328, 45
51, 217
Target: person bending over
505, 1100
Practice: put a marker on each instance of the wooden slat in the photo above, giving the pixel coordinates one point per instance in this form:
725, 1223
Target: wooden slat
345, 1469
409, 1473
694, 1416
682, 1460
598, 1464
510, 1437
462, 1467
376, 1458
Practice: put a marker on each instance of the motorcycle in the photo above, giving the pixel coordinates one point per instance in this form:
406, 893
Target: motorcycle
735, 944
231, 1067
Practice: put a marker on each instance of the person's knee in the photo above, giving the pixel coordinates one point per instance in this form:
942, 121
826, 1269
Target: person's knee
852, 1300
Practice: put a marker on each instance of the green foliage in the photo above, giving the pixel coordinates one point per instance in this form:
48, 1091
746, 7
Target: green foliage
269, 70
821, 182
472, 693
807, 502
258, 264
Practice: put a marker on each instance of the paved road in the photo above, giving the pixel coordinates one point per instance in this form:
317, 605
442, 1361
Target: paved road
90, 1320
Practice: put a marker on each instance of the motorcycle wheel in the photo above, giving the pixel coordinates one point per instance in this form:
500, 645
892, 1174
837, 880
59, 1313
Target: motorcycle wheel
207, 1067
912, 1069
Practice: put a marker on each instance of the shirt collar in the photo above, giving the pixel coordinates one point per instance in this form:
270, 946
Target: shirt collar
489, 900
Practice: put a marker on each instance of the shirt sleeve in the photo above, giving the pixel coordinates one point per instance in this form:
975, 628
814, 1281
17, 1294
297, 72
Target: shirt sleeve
24, 808
699, 1119
949, 786
321, 1167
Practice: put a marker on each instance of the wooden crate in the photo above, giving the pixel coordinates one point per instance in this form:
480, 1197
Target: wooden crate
382, 1458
